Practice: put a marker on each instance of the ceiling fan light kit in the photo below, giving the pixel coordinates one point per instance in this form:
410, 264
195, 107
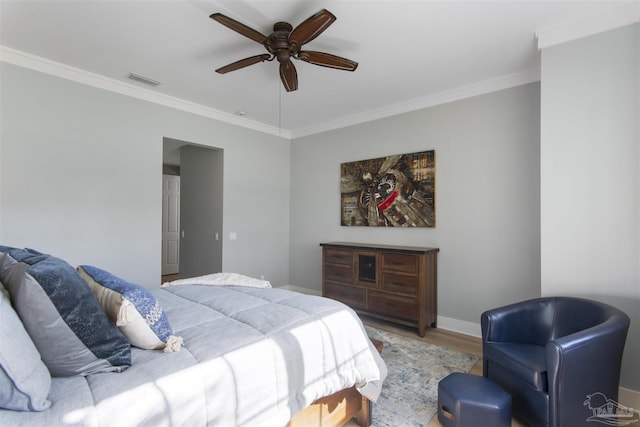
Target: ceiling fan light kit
285, 43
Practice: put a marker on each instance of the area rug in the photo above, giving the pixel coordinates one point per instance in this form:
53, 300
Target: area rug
409, 395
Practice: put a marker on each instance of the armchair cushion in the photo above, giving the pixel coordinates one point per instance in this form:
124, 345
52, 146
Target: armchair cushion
529, 322
526, 361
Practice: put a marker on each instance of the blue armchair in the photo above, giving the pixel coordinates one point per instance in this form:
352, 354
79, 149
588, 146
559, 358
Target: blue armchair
551, 353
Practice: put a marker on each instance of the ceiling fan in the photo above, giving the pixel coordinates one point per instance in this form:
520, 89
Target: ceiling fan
285, 43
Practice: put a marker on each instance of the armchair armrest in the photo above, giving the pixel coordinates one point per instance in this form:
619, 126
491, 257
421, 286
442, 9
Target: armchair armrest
584, 363
526, 322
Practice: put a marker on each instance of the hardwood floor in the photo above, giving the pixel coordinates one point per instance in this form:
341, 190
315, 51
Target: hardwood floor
442, 338
169, 278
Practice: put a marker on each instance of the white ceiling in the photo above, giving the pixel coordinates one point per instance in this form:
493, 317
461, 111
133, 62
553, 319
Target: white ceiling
411, 53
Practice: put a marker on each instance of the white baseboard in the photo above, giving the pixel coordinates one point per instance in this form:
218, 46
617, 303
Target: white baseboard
629, 398
460, 326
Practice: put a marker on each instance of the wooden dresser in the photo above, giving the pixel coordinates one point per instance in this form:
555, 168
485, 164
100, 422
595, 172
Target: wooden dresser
395, 283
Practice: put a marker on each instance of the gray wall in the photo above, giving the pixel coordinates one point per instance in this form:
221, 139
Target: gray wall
590, 163
201, 210
487, 198
80, 176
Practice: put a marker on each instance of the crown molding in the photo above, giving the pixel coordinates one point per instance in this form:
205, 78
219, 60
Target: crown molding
480, 88
64, 71
43, 65
627, 14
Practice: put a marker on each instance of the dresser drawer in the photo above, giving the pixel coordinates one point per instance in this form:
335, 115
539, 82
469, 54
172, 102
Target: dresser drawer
399, 283
353, 297
393, 305
337, 256
400, 262
394, 283
338, 273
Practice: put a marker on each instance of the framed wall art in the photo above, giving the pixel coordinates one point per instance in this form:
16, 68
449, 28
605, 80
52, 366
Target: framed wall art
392, 191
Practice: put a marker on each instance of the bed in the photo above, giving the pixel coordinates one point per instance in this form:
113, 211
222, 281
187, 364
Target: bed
249, 357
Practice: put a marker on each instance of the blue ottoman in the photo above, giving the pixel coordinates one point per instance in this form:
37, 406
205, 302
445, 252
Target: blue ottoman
466, 400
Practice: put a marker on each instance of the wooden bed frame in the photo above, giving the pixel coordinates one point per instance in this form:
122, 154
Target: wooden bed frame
337, 409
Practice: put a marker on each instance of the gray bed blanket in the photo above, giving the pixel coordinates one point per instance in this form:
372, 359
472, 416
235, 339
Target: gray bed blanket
251, 357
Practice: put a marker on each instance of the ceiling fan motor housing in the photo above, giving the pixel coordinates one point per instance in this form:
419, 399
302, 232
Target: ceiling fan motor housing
278, 42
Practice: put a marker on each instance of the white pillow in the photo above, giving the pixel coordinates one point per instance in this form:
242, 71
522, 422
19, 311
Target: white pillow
133, 309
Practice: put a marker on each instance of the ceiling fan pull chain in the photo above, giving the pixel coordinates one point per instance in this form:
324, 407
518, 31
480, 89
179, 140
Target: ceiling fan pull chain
280, 110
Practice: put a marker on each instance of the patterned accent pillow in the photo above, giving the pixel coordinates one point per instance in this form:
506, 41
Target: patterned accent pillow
62, 316
132, 308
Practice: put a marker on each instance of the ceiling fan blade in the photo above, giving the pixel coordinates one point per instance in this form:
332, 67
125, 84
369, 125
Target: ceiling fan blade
289, 76
312, 27
243, 63
239, 27
327, 60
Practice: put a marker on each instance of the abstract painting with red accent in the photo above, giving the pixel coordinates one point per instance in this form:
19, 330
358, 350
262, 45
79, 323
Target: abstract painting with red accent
392, 191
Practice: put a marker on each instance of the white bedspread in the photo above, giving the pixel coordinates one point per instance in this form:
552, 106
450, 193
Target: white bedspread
251, 357
221, 279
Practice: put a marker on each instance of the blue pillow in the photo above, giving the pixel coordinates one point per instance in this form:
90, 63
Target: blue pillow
24, 380
28, 256
62, 316
133, 309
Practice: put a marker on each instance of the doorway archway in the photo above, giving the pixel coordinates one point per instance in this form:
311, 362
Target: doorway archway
200, 169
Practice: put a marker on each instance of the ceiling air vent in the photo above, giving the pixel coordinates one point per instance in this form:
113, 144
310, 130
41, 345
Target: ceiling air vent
143, 79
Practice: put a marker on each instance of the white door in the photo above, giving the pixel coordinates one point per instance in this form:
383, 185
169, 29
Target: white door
170, 224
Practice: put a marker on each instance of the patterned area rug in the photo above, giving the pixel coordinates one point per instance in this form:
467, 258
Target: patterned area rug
409, 395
